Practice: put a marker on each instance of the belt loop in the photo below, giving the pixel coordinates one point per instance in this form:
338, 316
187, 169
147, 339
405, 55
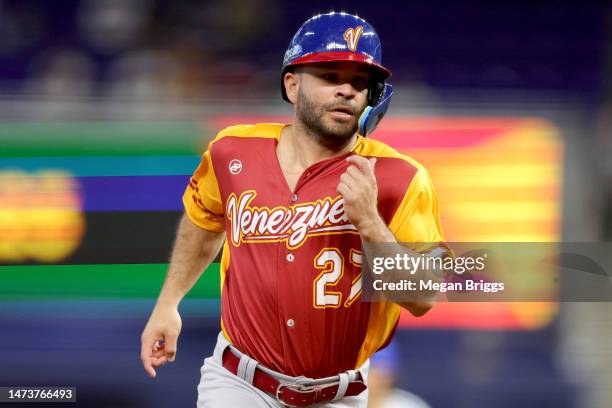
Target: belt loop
244, 361
342, 386
246, 368
249, 373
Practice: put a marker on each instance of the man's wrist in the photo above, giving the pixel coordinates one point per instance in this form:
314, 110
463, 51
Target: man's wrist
374, 229
168, 300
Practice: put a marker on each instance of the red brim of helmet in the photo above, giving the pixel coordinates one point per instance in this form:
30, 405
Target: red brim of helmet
339, 56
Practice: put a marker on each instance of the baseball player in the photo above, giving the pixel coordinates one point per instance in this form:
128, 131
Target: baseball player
291, 205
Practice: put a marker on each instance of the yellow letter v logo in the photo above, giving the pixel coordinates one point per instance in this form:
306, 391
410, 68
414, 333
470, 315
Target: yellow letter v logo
351, 36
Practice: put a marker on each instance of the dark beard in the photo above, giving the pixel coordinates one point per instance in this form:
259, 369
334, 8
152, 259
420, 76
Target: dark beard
335, 136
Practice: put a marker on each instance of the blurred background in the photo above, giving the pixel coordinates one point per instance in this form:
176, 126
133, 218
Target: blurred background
106, 105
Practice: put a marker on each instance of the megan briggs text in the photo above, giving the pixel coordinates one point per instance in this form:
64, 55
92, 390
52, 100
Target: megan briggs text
467, 285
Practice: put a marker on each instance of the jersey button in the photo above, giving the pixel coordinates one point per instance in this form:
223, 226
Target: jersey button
294, 198
290, 257
290, 323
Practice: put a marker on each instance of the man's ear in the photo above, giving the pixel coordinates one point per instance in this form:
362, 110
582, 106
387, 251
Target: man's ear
292, 83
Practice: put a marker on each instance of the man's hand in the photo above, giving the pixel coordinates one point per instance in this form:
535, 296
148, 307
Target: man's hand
193, 251
158, 341
359, 190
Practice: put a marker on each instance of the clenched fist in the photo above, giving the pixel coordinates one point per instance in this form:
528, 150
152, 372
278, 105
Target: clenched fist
359, 190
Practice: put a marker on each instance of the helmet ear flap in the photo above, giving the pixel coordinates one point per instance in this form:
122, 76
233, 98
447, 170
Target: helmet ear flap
375, 91
372, 115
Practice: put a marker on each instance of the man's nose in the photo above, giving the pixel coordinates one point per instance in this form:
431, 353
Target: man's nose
346, 90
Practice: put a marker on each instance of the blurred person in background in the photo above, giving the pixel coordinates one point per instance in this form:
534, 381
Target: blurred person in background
384, 371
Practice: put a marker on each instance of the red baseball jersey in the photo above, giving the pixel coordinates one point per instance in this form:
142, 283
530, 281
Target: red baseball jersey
291, 264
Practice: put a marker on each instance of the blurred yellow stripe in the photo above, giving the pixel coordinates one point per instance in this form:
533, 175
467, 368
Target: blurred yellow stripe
545, 226
471, 236
489, 211
545, 153
499, 193
516, 175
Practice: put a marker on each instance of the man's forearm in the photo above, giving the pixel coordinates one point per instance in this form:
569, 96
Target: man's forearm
376, 232
194, 249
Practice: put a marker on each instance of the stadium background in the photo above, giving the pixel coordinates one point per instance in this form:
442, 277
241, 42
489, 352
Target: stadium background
105, 106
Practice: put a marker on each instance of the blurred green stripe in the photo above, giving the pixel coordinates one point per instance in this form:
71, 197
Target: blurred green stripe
100, 138
113, 281
100, 308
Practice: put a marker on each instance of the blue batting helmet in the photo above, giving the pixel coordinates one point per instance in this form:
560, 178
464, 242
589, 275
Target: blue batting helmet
343, 37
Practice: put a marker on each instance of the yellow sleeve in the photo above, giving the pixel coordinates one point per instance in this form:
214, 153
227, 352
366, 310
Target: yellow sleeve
202, 198
417, 219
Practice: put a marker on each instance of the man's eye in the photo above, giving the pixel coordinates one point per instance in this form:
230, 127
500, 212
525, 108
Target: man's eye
360, 83
330, 77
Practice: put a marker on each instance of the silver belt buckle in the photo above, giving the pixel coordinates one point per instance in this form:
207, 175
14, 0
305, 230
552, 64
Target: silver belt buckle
298, 388
304, 384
